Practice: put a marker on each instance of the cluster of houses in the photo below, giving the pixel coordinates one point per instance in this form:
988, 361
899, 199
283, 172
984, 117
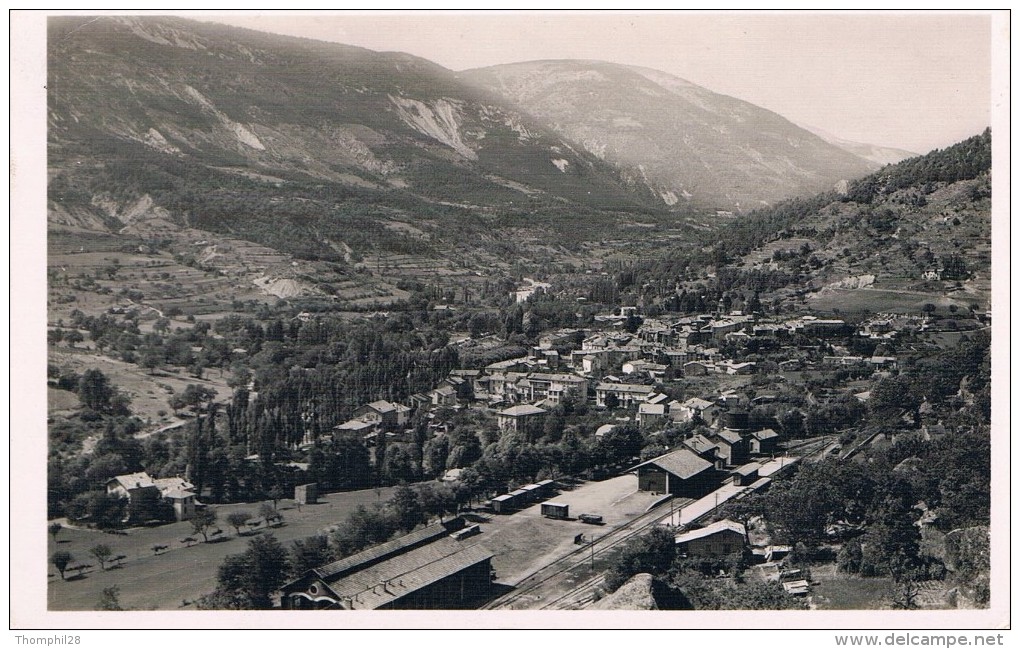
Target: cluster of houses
618, 370
704, 461
374, 419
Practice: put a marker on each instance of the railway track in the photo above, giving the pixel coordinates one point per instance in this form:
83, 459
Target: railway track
813, 449
577, 597
582, 594
533, 583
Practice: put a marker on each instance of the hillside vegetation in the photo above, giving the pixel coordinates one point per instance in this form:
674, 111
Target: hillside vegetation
920, 228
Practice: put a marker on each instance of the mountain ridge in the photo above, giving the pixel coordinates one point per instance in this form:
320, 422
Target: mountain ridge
297, 106
877, 154
679, 137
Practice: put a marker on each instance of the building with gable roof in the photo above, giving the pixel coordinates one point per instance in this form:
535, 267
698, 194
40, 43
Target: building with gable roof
718, 539
681, 473
431, 568
523, 418
142, 492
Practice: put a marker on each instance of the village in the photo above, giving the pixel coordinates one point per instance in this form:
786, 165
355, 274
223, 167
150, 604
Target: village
714, 408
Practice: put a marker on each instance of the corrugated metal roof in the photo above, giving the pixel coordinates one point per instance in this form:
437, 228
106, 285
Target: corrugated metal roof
388, 581
709, 530
799, 587
374, 553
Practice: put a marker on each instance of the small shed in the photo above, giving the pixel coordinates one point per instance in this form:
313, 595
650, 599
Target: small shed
306, 494
555, 510
502, 504
745, 475
797, 587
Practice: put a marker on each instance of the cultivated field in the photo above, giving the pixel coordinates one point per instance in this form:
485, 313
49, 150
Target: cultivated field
887, 301
833, 590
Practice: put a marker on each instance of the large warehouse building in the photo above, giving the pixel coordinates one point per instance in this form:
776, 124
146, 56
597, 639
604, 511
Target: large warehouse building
426, 569
681, 473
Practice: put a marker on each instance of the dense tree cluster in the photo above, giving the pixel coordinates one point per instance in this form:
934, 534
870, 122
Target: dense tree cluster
681, 582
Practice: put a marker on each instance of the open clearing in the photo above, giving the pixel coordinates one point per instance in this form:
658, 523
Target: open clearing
833, 590
148, 391
870, 300
522, 543
526, 541
147, 581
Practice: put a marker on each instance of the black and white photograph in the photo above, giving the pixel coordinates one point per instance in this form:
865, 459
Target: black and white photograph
528, 319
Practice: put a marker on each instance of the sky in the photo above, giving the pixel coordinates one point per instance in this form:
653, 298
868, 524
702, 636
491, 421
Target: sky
916, 81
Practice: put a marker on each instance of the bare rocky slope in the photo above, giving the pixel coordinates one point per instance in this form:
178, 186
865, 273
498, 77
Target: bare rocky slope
291, 142
684, 142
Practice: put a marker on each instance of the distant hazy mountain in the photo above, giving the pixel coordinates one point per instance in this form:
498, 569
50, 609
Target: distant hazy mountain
683, 141
879, 155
